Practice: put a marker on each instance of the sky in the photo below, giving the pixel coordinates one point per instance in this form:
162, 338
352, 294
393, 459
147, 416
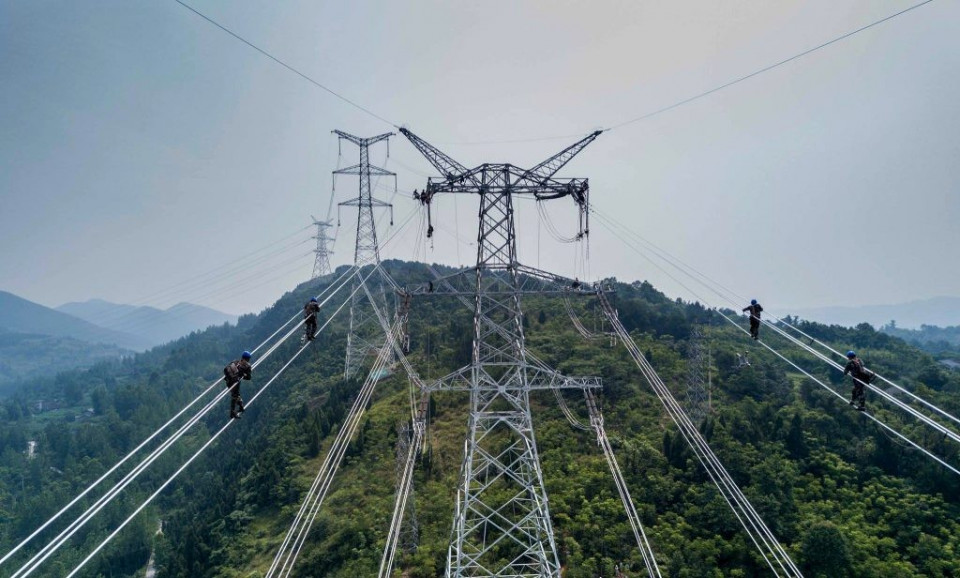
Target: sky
147, 157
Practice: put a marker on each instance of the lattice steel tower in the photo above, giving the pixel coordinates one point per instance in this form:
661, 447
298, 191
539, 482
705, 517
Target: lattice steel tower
321, 264
365, 334
502, 521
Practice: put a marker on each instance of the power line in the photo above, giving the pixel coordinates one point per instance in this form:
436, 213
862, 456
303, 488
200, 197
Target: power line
91, 511
606, 222
169, 480
768, 68
284, 64
712, 284
573, 135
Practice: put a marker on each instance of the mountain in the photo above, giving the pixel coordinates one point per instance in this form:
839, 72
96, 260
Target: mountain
18, 315
940, 311
843, 496
157, 326
27, 355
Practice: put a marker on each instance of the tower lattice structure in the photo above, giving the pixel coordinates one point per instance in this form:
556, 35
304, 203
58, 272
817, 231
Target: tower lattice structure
321, 263
365, 335
502, 523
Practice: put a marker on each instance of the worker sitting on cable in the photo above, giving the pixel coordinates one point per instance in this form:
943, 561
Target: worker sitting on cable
754, 308
861, 377
235, 371
310, 318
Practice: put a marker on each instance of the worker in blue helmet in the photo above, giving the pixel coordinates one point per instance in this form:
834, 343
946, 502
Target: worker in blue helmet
754, 308
235, 371
310, 318
861, 377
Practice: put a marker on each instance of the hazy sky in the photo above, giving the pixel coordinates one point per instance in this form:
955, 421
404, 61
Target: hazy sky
141, 147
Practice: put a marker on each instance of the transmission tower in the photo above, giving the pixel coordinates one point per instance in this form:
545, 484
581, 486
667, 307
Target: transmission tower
321, 264
365, 335
409, 539
696, 401
501, 523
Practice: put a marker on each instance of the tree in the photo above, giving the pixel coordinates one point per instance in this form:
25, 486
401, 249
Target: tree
824, 551
100, 399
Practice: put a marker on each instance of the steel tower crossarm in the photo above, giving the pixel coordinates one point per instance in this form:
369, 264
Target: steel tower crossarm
360, 141
543, 171
371, 169
449, 168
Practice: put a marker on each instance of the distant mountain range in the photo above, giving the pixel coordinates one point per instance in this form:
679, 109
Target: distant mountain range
157, 326
37, 340
17, 315
940, 311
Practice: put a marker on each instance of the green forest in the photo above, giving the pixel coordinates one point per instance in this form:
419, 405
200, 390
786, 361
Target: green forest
929, 337
843, 496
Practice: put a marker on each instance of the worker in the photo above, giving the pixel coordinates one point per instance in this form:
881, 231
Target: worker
235, 371
861, 377
310, 318
754, 308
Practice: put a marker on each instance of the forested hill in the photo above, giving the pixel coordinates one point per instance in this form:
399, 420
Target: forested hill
842, 496
929, 337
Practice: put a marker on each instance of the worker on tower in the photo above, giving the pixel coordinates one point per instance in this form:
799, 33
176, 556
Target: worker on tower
861, 377
754, 308
235, 371
310, 318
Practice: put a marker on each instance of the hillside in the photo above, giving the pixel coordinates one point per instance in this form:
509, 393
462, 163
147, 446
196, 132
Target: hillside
18, 315
844, 498
25, 355
930, 338
156, 326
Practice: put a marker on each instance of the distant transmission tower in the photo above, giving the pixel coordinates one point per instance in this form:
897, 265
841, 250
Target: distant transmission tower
697, 403
501, 523
321, 264
365, 335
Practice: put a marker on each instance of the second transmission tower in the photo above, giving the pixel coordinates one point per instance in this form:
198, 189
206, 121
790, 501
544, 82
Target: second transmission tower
321, 264
365, 334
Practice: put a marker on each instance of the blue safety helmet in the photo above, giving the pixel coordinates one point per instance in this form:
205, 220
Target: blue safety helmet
851, 354
313, 300
753, 302
246, 355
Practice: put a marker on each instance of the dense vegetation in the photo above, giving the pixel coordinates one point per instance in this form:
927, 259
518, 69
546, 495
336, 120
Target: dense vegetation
929, 337
842, 496
26, 355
